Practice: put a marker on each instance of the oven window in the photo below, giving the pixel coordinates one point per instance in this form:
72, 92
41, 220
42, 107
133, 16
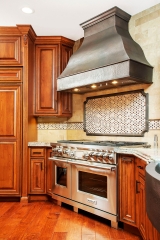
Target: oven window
62, 176
93, 184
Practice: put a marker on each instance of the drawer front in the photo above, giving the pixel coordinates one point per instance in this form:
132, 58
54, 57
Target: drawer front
37, 152
10, 75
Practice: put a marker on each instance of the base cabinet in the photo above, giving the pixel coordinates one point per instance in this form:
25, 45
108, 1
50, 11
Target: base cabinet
132, 208
39, 170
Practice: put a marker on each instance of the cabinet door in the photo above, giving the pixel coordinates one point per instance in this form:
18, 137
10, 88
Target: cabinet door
64, 98
140, 196
37, 176
127, 189
49, 170
46, 79
10, 50
10, 139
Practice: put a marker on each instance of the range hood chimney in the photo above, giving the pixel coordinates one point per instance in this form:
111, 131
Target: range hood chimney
107, 58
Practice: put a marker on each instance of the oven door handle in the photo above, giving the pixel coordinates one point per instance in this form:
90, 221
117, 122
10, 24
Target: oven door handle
87, 168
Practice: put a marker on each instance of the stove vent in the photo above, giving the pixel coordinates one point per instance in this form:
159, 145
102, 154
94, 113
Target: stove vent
107, 58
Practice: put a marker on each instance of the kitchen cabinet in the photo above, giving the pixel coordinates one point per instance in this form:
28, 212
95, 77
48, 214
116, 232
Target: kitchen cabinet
140, 196
10, 137
17, 123
52, 56
39, 170
132, 208
127, 189
49, 171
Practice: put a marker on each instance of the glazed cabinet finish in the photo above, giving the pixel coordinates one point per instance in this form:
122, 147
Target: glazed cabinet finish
46, 75
10, 138
51, 59
39, 170
132, 209
127, 189
16, 114
140, 196
49, 171
10, 53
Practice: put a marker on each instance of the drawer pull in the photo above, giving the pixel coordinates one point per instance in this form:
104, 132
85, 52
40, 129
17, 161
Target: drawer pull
140, 167
127, 159
137, 190
37, 152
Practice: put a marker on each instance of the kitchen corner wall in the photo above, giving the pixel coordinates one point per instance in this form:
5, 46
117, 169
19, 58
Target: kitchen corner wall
144, 29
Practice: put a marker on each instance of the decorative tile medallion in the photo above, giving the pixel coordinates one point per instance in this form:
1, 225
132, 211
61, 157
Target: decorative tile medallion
122, 114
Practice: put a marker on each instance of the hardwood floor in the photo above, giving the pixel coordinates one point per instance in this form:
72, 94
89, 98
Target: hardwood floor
45, 220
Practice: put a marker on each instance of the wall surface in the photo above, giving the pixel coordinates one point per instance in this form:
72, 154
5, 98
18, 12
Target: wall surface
144, 29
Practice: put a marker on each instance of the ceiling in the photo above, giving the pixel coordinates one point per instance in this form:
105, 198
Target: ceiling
62, 17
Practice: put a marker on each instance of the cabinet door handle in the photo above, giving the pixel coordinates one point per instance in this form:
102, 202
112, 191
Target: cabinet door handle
137, 190
140, 167
127, 159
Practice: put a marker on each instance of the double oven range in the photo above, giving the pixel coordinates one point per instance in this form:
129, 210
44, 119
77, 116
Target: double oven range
85, 175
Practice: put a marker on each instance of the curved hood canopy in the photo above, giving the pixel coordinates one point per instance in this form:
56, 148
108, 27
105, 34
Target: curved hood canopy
107, 58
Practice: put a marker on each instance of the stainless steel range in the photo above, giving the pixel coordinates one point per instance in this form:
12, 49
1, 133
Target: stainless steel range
85, 175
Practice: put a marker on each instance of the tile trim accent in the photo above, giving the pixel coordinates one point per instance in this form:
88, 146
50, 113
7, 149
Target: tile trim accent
154, 124
60, 126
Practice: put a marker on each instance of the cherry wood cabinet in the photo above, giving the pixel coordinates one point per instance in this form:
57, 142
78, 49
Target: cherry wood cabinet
10, 139
127, 210
17, 123
52, 56
140, 196
132, 209
49, 171
39, 170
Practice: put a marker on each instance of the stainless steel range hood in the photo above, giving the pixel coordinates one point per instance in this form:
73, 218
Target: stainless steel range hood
107, 58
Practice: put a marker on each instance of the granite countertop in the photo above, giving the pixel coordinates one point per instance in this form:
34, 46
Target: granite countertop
147, 154
39, 144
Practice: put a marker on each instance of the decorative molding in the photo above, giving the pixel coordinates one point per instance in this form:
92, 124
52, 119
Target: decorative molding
154, 124
120, 114
60, 126
25, 39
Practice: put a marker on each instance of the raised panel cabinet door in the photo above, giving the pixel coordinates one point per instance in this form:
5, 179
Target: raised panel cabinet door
49, 171
64, 98
140, 196
46, 79
37, 176
10, 51
10, 139
127, 196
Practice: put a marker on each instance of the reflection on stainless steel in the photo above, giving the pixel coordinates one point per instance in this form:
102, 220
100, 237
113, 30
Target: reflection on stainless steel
85, 175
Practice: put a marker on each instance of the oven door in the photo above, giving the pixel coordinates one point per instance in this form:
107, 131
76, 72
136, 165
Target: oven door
61, 178
95, 187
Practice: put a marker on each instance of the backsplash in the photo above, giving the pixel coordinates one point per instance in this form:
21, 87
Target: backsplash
153, 125
117, 114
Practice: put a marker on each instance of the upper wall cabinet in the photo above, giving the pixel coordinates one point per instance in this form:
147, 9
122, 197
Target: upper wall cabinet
10, 50
52, 56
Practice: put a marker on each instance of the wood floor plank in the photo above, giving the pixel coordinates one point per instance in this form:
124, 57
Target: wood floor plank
47, 221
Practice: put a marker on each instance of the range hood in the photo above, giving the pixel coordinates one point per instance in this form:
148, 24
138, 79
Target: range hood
107, 58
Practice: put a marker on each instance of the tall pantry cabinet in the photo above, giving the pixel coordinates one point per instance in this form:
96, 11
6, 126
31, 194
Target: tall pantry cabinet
17, 124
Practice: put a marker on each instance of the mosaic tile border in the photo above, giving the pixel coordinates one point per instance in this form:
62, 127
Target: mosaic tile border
154, 124
60, 126
120, 114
